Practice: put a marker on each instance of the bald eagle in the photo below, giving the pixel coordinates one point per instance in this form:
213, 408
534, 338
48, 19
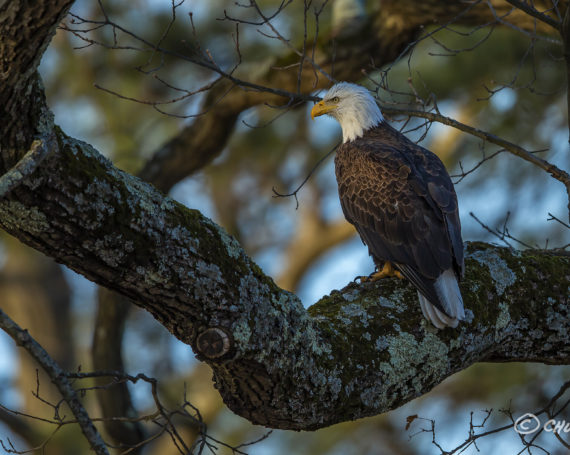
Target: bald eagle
401, 200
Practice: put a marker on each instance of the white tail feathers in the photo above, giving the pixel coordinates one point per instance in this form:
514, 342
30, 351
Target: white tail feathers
447, 290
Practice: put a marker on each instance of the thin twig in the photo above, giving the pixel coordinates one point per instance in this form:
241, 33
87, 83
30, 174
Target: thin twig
532, 11
277, 194
559, 174
57, 375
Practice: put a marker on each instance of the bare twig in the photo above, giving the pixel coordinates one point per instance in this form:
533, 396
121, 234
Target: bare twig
465, 173
553, 218
57, 375
196, 56
277, 194
162, 418
559, 174
502, 234
473, 437
266, 20
529, 8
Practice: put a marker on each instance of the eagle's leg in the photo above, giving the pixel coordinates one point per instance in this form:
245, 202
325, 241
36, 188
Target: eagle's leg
387, 271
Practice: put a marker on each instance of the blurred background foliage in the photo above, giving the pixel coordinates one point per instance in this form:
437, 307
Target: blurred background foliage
503, 81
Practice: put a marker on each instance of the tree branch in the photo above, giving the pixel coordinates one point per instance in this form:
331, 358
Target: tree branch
559, 174
59, 378
529, 9
359, 352
20, 54
106, 352
19, 426
356, 353
384, 37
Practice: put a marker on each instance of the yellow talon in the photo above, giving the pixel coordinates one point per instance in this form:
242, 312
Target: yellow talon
387, 271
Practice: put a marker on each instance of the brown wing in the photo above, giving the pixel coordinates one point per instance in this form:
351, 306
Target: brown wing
442, 197
402, 203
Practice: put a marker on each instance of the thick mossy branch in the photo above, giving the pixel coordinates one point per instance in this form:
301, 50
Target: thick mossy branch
361, 351
26, 28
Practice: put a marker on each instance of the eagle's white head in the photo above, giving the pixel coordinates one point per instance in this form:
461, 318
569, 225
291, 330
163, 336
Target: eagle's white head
352, 106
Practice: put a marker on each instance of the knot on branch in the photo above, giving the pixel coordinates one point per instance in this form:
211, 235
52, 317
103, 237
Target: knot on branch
213, 343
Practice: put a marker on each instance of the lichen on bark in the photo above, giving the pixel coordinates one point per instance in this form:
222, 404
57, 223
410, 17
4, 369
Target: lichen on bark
360, 351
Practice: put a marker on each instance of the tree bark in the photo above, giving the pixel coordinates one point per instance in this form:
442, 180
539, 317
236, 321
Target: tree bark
26, 30
361, 351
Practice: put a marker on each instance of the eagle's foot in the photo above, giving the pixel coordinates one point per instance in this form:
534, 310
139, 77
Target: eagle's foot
387, 271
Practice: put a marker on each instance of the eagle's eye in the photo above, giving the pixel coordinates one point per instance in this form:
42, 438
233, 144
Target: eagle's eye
335, 99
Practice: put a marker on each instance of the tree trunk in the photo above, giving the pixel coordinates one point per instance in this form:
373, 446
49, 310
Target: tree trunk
361, 351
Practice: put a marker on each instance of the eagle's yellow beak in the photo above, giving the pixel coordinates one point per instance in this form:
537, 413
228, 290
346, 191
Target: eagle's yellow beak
321, 108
